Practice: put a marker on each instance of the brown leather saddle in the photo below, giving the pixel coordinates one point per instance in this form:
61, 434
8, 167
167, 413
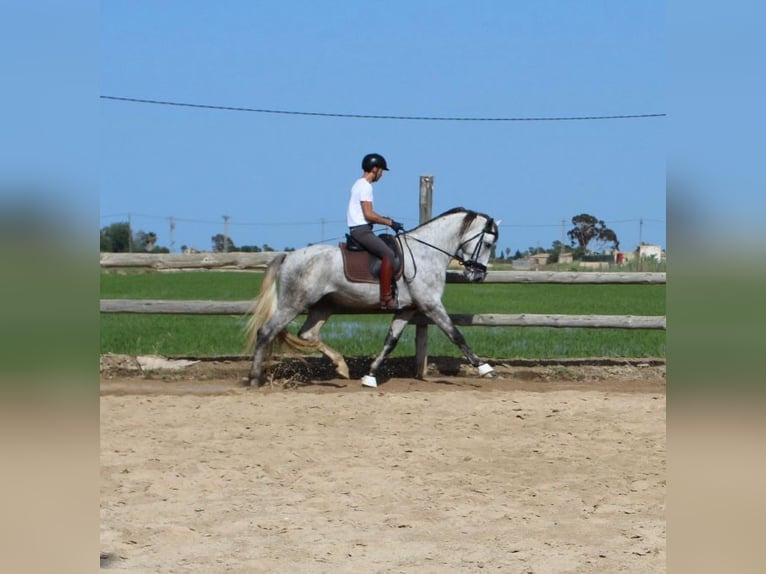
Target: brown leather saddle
361, 266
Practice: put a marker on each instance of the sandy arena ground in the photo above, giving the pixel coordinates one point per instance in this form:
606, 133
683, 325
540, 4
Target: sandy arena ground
549, 468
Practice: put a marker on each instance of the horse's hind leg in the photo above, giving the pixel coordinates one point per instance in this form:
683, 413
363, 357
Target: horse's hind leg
315, 320
266, 334
398, 324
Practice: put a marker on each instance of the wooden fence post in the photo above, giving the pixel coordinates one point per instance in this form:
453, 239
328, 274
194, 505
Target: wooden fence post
421, 331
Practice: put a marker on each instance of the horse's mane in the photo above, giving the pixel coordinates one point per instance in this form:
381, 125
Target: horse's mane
469, 218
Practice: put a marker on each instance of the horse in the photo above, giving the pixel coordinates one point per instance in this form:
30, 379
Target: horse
312, 281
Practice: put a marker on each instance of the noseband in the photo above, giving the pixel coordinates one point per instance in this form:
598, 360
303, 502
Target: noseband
471, 262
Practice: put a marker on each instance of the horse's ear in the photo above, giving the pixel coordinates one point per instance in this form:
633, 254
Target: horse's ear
498, 222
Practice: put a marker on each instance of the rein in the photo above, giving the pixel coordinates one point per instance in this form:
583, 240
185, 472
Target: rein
470, 263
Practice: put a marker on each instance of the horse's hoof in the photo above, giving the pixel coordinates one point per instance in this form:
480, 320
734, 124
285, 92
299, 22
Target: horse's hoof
250, 383
343, 372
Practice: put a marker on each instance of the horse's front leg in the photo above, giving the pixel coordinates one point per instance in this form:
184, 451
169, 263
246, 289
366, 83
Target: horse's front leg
400, 321
438, 314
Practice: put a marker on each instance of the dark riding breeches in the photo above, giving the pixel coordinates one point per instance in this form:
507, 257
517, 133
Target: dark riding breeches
372, 243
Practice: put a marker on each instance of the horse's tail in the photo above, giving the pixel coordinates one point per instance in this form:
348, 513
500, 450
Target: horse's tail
263, 308
265, 304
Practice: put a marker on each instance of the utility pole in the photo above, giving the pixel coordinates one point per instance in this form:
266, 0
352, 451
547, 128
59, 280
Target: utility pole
172, 227
130, 235
421, 331
322, 222
426, 197
563, 234
225, 233
640, 231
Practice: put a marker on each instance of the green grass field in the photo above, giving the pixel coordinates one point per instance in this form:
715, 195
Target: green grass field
363, 335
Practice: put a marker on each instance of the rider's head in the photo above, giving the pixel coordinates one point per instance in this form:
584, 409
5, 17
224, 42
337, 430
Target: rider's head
375, 164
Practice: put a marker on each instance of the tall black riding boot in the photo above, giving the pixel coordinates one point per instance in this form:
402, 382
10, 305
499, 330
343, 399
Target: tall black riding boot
387, 300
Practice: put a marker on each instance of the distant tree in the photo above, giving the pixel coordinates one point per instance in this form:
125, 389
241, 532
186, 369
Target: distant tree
518, 255
219, 241
146, 241
257, 249
288, 249
143, 241
115, 238
588, 229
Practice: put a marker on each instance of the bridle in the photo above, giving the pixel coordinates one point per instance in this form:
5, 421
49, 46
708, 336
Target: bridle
469, 263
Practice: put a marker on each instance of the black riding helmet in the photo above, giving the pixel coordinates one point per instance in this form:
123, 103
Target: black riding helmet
373, 160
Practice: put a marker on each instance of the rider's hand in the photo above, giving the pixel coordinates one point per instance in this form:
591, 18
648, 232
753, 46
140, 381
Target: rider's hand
396, 226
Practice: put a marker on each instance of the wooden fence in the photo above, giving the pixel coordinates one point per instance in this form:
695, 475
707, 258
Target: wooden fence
260, 260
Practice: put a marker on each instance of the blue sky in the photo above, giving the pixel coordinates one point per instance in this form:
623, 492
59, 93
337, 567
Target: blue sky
284, 179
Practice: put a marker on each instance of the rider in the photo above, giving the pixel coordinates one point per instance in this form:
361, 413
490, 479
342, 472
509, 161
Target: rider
360, 218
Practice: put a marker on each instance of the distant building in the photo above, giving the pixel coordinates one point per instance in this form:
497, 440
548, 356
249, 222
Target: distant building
565, 257
649, 251
539, 259
522, 263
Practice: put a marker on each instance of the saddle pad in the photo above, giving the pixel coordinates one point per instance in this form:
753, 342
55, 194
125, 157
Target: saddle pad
356, 266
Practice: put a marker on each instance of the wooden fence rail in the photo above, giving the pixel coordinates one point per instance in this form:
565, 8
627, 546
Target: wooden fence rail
189, 307
568, 277
190, 261
259, 261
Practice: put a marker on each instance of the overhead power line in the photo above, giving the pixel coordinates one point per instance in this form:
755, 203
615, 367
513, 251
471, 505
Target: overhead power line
382, 117
232, 223
323, 221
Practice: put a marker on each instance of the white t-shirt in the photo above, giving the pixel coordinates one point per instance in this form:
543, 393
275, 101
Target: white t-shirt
360, 191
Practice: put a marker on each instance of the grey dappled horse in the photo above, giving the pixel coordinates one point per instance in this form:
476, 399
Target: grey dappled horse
312, 281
